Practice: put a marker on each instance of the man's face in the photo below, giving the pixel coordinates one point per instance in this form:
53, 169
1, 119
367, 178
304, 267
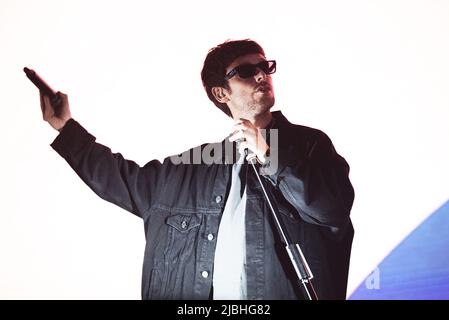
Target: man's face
250, 97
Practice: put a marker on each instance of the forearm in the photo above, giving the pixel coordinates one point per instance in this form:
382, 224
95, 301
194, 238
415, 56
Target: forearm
322, 196
315, 182
109, 175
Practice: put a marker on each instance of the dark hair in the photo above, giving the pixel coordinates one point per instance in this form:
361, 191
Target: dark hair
218, 59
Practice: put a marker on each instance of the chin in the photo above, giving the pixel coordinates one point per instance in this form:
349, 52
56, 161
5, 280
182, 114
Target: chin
261, 106
267, 103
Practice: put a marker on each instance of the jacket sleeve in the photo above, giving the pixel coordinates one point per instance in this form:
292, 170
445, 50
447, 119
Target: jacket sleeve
108, 174
315, 182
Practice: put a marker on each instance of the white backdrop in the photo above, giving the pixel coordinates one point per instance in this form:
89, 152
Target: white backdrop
374, 75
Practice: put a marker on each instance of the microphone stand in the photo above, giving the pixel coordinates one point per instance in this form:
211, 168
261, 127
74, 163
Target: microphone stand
294, 251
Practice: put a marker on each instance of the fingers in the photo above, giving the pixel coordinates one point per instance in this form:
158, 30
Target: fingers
242, 146
62, 104
242, 120
250, 138
236, 136
243, 124
55, 111
242, 129
41, 96
45, 106
61, 98
250, 156
239, 127
48, 109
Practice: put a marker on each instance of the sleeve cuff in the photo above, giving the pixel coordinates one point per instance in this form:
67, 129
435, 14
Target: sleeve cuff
71, 139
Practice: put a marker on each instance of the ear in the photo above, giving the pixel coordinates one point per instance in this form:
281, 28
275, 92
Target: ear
220, 94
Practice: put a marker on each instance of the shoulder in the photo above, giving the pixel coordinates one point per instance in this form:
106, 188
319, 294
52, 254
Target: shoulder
308, 141
312, 133
303, 133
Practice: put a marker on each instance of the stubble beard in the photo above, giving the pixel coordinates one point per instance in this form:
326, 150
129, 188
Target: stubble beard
261, 106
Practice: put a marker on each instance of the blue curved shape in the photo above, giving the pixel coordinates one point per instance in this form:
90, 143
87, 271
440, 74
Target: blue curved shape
418, 268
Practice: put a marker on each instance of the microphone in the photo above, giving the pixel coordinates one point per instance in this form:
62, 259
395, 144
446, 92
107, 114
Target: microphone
42, 86
249, 156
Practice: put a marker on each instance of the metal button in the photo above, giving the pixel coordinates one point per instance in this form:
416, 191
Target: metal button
184, 224
205, 274
210, 237
218, 199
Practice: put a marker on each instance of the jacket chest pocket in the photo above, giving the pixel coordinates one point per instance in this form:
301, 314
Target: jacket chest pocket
183, 230
184, 223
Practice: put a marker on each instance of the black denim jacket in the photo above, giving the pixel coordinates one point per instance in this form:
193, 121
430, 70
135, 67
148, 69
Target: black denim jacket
181, 207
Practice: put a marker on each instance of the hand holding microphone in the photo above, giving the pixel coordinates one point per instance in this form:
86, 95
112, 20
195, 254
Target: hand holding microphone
249, 138
54, 105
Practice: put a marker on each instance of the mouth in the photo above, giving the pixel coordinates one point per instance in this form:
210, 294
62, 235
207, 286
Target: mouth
263, 88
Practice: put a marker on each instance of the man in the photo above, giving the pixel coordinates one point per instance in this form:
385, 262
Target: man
209, 232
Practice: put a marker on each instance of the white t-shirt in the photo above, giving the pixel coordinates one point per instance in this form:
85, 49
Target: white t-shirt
229, 276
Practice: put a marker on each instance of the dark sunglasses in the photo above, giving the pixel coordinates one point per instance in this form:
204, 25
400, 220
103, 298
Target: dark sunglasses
249, 70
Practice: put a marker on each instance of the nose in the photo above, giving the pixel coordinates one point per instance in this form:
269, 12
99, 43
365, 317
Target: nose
260, 75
